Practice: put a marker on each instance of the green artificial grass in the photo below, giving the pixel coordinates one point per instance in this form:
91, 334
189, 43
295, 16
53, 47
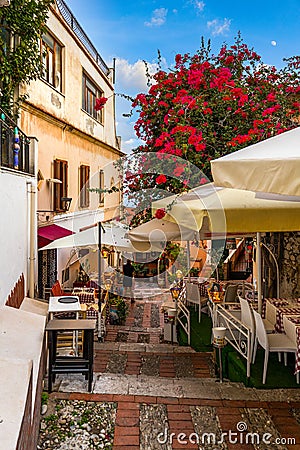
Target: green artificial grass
234, 365
278, 375
200, 332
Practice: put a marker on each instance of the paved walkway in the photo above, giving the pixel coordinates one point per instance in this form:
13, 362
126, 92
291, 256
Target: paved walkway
160, 389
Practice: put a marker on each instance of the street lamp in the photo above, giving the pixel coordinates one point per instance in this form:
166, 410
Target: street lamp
67, 202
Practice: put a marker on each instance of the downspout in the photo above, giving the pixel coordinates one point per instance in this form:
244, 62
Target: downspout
32, 269
32, 239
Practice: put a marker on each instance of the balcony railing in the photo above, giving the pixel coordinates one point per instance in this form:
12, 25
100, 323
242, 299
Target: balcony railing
77, 29
15, 146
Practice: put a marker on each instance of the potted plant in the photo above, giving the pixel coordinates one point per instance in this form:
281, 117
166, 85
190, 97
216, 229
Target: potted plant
118, 310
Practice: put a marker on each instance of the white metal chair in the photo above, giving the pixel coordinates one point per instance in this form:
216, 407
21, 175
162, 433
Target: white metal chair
230, 295
193, 296
272, 343
248, 320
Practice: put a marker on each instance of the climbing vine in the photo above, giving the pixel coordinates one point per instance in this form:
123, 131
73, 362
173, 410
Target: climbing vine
21, 27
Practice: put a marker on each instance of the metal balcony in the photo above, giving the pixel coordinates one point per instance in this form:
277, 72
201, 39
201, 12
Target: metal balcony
16, 151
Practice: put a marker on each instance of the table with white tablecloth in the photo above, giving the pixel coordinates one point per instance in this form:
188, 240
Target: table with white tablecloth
276, 309
291, 326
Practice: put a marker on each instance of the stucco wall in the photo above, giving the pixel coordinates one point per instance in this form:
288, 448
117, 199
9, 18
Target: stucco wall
66, 105
64, 131
14, 226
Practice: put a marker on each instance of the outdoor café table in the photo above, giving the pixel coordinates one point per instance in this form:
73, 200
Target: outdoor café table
272, 309
71, 364
85, 296
282, 311
291, 326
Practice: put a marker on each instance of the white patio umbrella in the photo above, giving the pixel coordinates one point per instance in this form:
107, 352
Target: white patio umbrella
232, 211
112, 235
272, 165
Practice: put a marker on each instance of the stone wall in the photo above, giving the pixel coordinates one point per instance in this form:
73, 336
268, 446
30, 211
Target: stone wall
289, 264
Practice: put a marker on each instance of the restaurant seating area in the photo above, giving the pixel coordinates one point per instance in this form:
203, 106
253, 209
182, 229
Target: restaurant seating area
248, 334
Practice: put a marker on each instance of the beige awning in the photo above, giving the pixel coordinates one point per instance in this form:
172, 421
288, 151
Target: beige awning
272, 165
231, 211
156, 233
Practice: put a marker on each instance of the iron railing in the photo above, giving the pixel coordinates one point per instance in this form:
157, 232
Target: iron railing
77, 29
238, 335
15, 146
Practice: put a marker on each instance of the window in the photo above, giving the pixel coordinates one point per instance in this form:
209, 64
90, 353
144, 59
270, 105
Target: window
89, 94
60, 189
52, 61
101, 186
84, 184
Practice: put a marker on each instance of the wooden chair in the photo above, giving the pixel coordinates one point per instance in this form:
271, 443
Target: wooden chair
57, 291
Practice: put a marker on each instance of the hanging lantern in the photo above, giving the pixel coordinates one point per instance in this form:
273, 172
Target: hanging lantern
105, 252
230, 243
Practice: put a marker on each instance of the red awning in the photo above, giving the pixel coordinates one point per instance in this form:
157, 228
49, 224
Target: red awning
50, 233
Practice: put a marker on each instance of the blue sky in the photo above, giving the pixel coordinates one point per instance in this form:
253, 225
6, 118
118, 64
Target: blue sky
132, 31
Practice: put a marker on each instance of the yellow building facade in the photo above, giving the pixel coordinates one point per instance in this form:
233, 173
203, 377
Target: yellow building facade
77, 145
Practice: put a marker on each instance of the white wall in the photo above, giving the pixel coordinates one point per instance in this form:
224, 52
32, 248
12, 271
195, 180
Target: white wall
14, 226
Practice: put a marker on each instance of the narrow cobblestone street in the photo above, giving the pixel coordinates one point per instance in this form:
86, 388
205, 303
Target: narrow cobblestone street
163, 396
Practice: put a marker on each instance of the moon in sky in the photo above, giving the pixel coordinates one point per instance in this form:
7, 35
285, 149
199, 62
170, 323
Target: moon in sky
274, 43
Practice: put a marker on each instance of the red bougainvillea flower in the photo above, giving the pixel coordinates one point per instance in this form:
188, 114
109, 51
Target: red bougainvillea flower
178, 171
160, 213
161, 179
100, 102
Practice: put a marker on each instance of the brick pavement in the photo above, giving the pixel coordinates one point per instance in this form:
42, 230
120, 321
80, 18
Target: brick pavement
229, 413
230, 404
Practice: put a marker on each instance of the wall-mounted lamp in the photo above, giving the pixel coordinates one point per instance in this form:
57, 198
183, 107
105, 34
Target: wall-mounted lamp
66, 203
54, 180
105, 252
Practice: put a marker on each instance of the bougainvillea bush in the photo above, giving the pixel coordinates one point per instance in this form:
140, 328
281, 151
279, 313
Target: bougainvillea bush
207, 106
210, 105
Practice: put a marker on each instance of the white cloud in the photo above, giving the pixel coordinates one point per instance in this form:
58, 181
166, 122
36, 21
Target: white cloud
132, 77
217, 27
199, 5
158, 18
130, 141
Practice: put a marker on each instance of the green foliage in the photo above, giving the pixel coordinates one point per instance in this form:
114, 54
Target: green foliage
121, 307
45, 397
140, 269
22, 25
171, 251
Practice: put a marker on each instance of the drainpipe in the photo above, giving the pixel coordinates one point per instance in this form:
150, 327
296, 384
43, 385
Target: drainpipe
32, 239
32, 269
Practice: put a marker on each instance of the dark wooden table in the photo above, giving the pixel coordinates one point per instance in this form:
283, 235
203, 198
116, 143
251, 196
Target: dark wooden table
71, 364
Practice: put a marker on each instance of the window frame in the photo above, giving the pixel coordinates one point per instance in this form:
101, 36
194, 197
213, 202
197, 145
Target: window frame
52, 67
84, 184
60, 189
90, 92
101, 186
